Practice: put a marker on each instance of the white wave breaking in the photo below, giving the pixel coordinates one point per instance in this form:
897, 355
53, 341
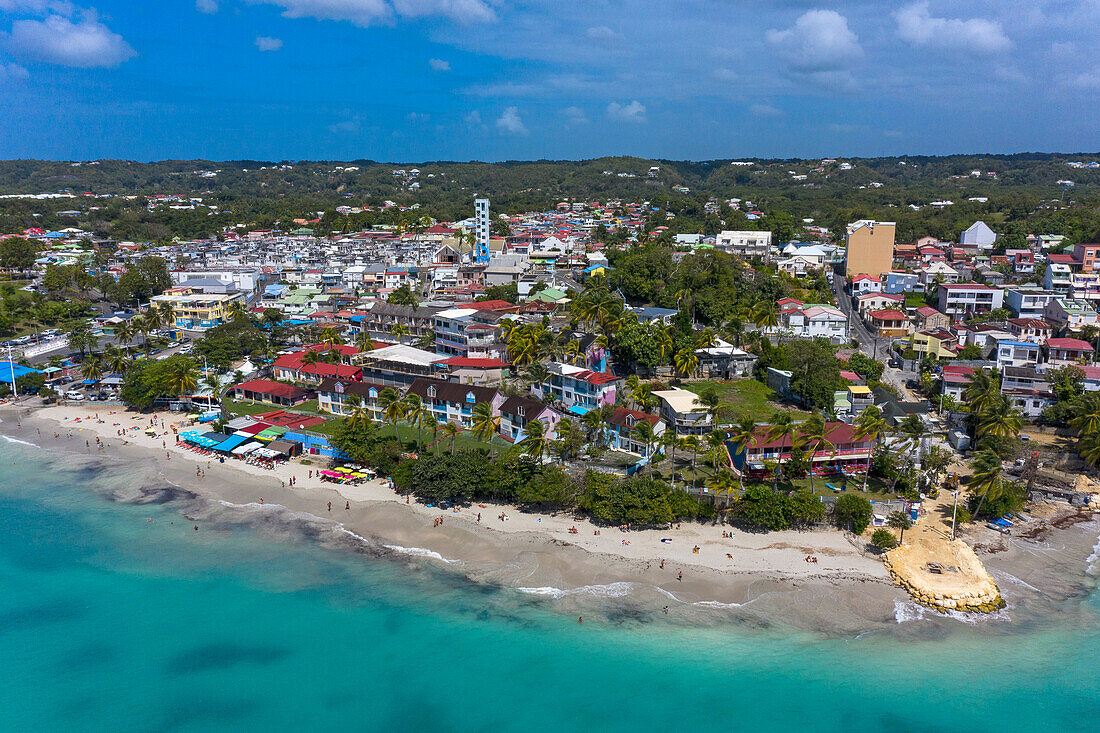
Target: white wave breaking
17, 440
416, 552
611, 590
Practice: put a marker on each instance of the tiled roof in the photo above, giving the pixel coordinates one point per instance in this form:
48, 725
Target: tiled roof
266, 386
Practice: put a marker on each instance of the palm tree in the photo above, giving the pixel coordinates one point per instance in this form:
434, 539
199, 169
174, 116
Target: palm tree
426, 340
899, 521
356, 411
983, 389
536, 374
716, 444
139, 325
363, 341
123, 334
416, 414
712, 400
451, 431
814, 435
153, 318
535, 440
183, 378
691, 445
115, 359
91, 369
999, 419
1087, 418
987, 477
685, 361
723, 483
913, 434
594, 425
399, 331
166, 315
632, 384
744, 436
669, 439
238, 310
330, 336
766, 315
870, 424
485, 424
311, 358
393, 407
643, 433
212, 383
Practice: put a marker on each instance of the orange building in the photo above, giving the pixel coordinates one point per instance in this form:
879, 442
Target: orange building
870, 248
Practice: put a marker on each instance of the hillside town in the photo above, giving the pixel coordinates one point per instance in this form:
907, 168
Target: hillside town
860, 373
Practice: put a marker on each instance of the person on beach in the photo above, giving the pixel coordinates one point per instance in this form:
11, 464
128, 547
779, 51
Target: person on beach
680, 575
329, 504
347, 506
479, 517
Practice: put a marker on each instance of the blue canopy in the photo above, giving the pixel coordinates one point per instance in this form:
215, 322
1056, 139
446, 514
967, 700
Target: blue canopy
232, 442
21, 371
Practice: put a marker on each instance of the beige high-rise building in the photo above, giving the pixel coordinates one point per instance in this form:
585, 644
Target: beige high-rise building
870, 248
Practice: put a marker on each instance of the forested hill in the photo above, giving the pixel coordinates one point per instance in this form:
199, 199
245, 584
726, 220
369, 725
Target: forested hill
1017, 187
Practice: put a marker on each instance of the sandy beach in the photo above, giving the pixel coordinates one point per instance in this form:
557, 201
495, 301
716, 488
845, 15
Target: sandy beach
780, 553
536, 554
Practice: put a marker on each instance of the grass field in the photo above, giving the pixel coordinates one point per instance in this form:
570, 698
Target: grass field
745, 398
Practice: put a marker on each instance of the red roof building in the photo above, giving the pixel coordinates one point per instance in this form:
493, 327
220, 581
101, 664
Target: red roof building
265, 390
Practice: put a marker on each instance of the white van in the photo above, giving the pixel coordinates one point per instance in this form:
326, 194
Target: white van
72, 394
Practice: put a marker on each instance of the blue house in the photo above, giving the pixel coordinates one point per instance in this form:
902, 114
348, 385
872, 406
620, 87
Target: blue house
901, 282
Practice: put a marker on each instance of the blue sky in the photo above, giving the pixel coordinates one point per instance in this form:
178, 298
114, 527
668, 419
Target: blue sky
413, 80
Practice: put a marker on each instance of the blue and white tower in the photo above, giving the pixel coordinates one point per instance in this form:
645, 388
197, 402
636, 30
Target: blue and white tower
481, 229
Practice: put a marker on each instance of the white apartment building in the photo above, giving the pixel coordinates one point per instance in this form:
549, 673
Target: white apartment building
744, 243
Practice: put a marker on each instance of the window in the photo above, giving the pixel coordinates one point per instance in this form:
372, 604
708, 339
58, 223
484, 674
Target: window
431, 392
470, 397
520, 410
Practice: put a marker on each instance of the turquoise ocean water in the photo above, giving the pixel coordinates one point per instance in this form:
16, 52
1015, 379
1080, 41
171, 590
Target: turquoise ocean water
110, 621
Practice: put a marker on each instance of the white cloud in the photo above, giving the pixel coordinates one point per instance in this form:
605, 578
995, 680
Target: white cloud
57, 40
575, 116
511, 122
917, 27
728, 75
63, 7
765, 110
372, 12
820, 40
267, 43
474, 118
462, 11
439, 65
206, 6
12, 73
346, 127
602, 33
1088, 80
633, 112
359, 12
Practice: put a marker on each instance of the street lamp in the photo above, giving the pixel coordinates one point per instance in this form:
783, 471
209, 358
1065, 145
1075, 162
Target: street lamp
954, 512
11, 365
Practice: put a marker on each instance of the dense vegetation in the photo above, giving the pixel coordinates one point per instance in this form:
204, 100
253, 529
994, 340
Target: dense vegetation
1024, 196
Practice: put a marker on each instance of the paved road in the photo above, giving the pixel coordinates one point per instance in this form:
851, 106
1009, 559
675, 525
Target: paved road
859, 331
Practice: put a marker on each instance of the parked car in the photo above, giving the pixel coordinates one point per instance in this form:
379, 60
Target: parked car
72, 394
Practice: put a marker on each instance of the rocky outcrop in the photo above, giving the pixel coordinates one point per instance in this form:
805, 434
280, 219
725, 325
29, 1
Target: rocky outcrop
964, 584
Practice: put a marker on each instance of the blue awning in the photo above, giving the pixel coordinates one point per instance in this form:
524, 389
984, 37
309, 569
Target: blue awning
232, 442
